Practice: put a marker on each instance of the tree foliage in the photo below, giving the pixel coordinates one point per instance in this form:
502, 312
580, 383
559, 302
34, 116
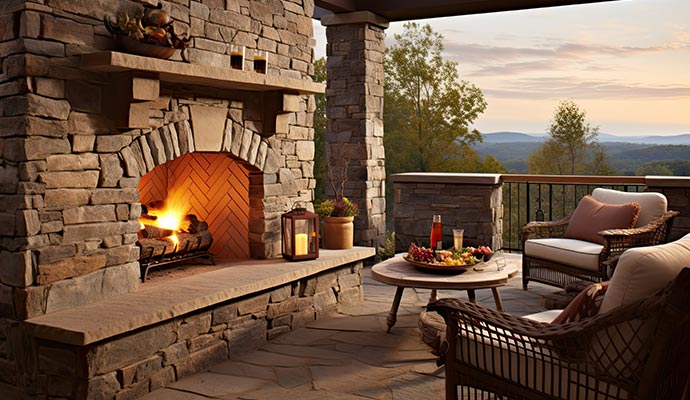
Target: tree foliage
572, 147
428, 108
654, 169
320, 132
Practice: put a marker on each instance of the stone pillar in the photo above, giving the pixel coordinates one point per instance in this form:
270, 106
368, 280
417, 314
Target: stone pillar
354, 132
677, 192
473, 202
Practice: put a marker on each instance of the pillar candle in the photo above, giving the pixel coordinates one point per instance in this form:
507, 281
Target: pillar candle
301, 244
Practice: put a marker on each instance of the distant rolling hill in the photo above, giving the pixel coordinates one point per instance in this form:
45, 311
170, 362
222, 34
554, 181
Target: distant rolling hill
511, 137
626, 153
519, 137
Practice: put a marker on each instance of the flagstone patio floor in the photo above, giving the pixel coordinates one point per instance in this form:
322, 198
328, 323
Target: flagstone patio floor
349, 356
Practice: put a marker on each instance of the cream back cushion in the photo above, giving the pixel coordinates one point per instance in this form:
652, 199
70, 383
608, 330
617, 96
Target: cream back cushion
643, 271
652, 205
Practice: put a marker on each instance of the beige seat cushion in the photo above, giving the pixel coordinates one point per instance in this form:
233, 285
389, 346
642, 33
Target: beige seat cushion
643, 271
498, 353
652, 205
572, 252
544, 316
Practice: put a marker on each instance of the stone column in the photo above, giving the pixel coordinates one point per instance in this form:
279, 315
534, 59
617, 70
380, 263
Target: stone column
354, 132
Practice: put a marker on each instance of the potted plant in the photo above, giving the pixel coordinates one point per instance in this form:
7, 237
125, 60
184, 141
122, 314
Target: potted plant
338, 227
337, 216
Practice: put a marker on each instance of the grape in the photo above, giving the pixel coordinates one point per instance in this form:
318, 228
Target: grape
421, 254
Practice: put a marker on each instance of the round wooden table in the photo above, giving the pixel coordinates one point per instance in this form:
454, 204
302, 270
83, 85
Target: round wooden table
398, 272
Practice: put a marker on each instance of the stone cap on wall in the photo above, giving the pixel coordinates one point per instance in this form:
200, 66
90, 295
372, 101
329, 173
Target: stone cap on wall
356, 17
447, 177
667, 181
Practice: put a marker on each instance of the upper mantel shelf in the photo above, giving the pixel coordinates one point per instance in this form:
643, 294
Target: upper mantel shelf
195, 74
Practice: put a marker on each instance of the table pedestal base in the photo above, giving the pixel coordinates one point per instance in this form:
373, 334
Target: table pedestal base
392, 317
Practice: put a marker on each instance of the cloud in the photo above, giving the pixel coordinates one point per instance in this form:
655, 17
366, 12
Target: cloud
682, 36
480, 53
564, 87
515, 68
507, 60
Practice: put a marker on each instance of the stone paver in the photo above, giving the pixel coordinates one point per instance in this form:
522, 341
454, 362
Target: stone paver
347, 357
210, 384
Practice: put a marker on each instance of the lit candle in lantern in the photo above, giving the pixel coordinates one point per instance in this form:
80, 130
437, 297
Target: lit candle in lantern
301, 244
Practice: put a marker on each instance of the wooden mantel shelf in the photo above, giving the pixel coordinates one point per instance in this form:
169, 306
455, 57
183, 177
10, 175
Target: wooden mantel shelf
195, 74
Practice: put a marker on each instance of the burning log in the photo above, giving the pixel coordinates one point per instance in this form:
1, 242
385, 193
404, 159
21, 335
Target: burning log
193, 225
154, 232
186, 243
169, 236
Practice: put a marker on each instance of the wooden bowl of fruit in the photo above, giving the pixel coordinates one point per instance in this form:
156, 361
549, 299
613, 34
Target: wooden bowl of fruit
441, 261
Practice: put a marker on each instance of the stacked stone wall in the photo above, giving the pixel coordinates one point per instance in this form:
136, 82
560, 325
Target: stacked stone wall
68, 174
136, 363
477, 209
677, 192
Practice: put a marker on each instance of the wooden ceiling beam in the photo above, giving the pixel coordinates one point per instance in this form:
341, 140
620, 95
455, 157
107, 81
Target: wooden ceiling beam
403, 10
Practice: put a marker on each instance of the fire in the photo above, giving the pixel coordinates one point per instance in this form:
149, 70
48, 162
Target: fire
174, 239
168, 219
170, 216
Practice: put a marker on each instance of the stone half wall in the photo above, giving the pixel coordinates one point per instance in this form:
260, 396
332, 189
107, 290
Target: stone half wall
473, 202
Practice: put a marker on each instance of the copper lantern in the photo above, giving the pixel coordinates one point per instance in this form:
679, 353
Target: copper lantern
300, 234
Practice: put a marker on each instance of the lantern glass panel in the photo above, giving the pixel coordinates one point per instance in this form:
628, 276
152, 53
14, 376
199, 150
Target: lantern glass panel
287, 235
301, 238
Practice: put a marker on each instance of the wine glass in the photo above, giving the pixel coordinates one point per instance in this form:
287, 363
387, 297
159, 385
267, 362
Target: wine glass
500, 260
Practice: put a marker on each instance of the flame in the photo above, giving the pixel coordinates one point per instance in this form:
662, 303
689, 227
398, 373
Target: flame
175, 240
168, 219
171, 216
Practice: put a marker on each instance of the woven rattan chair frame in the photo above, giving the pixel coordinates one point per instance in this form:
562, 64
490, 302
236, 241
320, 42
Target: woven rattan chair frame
616, 241
494, 355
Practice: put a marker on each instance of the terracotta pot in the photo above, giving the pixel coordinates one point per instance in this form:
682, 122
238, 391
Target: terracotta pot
337, 232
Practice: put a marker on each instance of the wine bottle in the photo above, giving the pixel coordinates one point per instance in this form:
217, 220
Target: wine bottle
436, 238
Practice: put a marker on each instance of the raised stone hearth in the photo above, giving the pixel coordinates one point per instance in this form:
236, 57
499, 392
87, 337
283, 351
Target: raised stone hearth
142, 341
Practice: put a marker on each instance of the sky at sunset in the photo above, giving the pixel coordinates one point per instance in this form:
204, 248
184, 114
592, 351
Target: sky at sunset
627, 63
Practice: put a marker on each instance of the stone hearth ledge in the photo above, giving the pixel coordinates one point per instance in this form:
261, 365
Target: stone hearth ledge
150, 305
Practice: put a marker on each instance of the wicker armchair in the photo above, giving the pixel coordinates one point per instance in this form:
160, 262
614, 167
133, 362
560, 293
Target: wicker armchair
636, 351
549, 258
633, 344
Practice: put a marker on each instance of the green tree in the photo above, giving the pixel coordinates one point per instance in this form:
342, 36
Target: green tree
320, 132
491, 165
600, 164
572, 146
428, 109
654, 169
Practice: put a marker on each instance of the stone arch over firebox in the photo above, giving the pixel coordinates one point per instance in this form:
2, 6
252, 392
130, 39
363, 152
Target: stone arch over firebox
172, 140
212, 135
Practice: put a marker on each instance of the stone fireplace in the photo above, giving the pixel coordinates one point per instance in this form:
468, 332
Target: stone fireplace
88, 134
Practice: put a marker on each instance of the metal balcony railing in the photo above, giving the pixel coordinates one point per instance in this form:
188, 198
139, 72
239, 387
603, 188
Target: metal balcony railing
550, 197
